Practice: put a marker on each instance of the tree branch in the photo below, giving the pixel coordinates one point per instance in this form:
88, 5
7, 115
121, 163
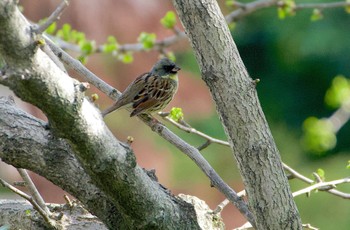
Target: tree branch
240, 112
32, 189
322, 186
53, 17
36, 206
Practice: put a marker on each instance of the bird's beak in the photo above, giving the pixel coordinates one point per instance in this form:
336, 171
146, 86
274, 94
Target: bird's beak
175, 69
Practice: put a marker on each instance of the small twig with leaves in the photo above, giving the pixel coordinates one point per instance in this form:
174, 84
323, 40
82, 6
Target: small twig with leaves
295, 174
321, 186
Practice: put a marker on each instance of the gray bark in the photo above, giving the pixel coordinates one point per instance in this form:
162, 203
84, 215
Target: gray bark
237, 104
136, 201
19, 214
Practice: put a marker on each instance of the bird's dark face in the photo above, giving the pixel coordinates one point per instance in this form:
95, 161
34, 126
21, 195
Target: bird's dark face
165, 68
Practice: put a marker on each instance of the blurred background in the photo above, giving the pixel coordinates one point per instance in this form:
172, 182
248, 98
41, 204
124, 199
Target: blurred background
295, 59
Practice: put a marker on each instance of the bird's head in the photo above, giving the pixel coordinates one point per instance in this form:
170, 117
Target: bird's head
165, 68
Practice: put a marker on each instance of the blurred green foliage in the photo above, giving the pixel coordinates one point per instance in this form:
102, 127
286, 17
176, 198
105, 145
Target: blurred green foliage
169, 20
319, 136
339, 92
147, 40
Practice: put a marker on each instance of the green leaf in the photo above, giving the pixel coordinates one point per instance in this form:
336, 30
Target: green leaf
286, 8
51, 29
232, 26
339, 92
28, 212
65, 32
316, 15
171, 56
176, 114
77, 37
147, 40
111, 45
169, 20
230, 3
126, 57
321, 173
348, 166
87, 47
83, 59
281, 13
319, 135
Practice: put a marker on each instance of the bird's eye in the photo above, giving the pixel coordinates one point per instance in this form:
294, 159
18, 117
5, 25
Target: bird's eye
169, 67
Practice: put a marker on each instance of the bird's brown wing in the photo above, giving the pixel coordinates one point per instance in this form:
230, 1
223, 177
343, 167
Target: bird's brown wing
128, 95
154, 96
143, 106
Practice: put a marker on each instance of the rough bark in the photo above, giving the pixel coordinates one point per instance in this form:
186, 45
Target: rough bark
19, 214
234, 93
140, 201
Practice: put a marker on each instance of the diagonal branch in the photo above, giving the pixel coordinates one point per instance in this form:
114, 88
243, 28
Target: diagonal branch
53, 17
322, 186
32, 189
36, 206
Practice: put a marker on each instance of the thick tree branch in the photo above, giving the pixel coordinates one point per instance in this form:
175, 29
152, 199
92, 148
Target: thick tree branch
25, 142
239, 109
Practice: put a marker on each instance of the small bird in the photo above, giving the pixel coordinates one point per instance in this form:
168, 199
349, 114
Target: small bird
150, 92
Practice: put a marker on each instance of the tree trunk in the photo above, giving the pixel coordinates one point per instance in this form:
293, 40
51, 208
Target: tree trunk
234, 93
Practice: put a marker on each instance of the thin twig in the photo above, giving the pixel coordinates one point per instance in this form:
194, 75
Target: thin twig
52, 18
31, 200
225, 202
301, 177
53, 57
82, 71
68, 201
340, 117
189, 129
245, 226
33, 191
322, 186
308, 226
321, 5
249, 8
